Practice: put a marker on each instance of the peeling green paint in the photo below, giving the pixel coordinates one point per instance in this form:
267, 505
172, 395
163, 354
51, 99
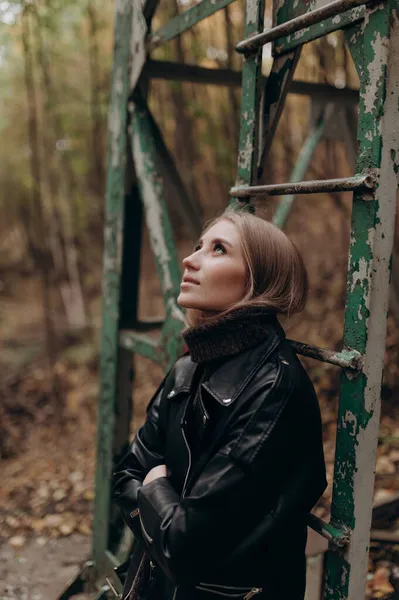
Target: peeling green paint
367, 296
114, 216
185, 21
303, 36
250, 102
148, 170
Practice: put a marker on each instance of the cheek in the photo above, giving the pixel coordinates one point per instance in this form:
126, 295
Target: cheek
230, 276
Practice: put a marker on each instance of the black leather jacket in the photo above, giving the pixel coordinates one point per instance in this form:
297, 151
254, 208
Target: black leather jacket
234, 522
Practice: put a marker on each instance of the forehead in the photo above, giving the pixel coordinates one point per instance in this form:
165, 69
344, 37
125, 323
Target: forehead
223, 229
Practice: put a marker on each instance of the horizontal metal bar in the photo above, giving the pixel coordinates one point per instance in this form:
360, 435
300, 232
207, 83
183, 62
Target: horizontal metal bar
310, 18
141, 344
384, 536
344, 184
336, 536
174, 71
184, 21
149, 324
289, 42
347, 359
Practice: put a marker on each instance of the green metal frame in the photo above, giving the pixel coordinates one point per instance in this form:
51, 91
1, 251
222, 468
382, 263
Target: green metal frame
139, 167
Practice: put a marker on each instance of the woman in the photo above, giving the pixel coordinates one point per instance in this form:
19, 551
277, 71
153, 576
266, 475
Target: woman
219, 480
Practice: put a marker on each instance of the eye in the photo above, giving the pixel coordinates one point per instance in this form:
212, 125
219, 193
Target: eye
197, 247
219, 247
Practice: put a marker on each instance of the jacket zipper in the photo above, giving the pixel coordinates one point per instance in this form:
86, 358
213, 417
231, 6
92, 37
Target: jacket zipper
144, 531
230, 591
185, 482
252, 593
189, 462
152, 567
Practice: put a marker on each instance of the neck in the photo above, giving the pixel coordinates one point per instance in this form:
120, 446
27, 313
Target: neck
230, 334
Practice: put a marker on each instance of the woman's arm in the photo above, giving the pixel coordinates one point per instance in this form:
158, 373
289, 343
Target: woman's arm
145, 452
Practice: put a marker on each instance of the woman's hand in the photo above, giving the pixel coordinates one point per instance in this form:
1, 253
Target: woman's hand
159, 471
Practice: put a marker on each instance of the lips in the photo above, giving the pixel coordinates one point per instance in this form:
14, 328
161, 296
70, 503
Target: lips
187, 279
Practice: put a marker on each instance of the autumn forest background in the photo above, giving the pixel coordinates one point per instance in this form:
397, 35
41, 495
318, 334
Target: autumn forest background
55, 72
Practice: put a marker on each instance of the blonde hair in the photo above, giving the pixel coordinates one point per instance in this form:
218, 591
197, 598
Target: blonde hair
276, 275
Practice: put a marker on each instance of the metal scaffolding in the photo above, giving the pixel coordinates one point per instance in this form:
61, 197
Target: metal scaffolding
135, 191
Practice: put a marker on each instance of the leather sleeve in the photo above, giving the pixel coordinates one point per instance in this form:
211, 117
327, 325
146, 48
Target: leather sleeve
145, 452
241, 493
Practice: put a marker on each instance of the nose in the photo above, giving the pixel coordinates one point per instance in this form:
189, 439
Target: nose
191, 262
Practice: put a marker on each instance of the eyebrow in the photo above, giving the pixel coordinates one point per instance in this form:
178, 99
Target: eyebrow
218, 240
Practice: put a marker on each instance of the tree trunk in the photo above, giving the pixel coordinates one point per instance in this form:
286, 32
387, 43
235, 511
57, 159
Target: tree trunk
62, 226
35, 219
97, 138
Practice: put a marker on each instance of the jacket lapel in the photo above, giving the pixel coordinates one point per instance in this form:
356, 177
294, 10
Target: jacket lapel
231, 378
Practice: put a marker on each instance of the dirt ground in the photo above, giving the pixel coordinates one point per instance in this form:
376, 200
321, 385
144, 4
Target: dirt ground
42, 568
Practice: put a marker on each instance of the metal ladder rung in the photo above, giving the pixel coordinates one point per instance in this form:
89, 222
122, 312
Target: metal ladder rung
141, 344
337, 536
346, 359
149, 324
253, 43
151, 348
359, 183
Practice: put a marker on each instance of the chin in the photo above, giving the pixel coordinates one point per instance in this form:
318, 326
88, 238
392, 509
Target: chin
185, 301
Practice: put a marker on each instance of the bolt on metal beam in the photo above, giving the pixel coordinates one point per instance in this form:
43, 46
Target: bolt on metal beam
359, 183
313, 17
337, 536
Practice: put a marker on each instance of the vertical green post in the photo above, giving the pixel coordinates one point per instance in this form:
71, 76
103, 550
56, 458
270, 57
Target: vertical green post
114, 219
375, 48
250, 99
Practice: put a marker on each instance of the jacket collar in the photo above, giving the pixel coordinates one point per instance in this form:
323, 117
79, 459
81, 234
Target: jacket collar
229, 380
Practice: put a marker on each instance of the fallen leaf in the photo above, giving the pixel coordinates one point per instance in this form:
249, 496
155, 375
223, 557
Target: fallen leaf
17, 541
385, 466
381, 583
59, 494
88, 495
394, 456
52, 520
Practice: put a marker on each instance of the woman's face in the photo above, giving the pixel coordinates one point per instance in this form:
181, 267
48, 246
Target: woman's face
215, 273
